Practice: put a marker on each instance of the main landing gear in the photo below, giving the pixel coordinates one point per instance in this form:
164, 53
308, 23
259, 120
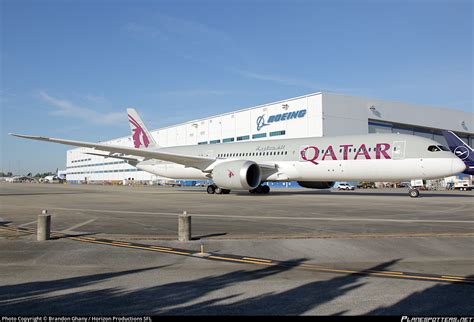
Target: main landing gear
211, 189
260, 189
413, 192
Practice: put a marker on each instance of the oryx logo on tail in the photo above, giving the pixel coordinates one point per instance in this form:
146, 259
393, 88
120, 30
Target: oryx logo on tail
140, 134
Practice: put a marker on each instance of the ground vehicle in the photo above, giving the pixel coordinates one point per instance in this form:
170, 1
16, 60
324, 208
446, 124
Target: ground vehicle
345, 186
463, 185
365, 185
404, 184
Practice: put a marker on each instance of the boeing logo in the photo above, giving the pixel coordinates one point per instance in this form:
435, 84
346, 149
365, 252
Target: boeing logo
278, 117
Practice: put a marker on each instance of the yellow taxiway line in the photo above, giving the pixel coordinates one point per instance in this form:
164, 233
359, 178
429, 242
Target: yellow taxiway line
253, 260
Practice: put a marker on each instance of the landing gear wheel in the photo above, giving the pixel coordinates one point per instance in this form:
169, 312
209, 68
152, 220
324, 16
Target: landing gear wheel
211, 189
218, 191
225, 191
260, 189
414, 193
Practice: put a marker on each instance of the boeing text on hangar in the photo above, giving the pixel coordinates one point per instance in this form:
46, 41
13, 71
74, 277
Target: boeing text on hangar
279, 117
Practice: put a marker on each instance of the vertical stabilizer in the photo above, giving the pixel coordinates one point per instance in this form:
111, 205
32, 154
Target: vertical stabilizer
459, 147
141, 137
462, 150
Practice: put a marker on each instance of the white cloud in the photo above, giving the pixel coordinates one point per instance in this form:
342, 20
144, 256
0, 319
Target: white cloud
279, 79
67, 109
140, 29
303, 83
197, 92
166, 27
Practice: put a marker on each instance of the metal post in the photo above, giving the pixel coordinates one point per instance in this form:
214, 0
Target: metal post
184, 227
44, 226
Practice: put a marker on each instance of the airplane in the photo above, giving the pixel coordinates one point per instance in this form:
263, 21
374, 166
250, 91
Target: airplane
461, 150
314, 162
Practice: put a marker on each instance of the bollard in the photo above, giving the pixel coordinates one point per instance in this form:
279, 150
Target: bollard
44, 226
184, 227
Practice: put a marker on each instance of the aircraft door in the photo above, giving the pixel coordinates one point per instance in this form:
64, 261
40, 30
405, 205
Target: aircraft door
398, 150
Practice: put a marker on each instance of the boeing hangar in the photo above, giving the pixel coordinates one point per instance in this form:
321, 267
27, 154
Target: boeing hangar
313, 115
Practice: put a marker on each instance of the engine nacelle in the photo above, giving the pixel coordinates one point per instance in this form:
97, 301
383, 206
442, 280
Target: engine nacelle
316, 184
238, 174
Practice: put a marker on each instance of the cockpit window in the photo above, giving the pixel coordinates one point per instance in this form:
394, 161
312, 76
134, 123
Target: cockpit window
443, 148
433, 148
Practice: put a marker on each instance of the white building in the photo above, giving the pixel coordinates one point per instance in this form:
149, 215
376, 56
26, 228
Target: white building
313, 115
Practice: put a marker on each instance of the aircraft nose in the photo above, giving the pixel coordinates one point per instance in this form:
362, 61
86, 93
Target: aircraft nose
458, 165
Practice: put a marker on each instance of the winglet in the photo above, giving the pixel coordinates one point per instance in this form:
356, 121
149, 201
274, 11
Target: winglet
33, 137
140, 134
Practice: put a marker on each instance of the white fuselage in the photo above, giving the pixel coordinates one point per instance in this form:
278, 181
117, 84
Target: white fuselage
373, 157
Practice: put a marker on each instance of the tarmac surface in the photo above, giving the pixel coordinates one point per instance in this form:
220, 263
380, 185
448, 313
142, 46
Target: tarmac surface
295, 252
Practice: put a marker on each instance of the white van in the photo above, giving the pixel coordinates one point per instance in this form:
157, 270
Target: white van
345, 186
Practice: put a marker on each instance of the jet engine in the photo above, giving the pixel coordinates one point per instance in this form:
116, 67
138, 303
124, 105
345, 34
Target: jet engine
316, 184
238, 174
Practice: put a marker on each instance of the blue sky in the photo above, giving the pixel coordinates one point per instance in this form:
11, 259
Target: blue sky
70, 68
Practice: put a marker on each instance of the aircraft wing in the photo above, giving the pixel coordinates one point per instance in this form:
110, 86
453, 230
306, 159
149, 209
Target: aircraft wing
132, 161
189, 161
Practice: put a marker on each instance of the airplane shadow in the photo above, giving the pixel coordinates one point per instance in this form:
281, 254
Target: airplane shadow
211, 295
208, 236
72, 235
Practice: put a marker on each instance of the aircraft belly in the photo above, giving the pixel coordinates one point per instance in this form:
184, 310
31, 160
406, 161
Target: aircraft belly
375, 170
369, 170
174, 171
